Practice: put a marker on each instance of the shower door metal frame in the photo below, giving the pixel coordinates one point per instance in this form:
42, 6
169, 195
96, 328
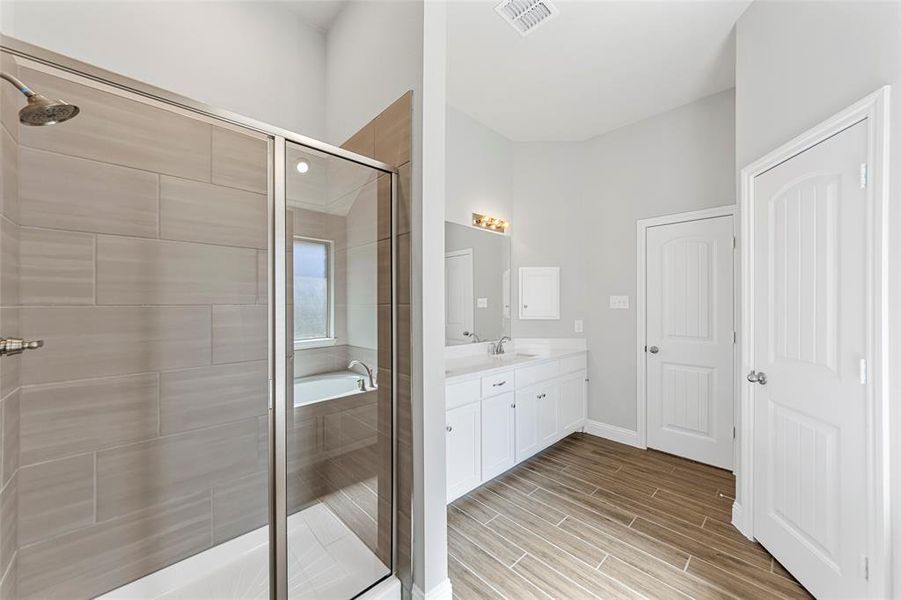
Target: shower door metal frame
103, 80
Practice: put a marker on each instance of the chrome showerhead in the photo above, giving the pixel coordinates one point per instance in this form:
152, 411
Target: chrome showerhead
44, 111
40, 109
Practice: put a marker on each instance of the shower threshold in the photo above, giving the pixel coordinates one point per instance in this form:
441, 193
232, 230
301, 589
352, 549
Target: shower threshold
326, 561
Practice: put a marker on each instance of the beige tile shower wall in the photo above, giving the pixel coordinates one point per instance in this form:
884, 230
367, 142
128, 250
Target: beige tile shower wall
138, 254
9, 326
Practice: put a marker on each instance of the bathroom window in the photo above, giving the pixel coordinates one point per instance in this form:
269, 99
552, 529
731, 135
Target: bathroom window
314, 302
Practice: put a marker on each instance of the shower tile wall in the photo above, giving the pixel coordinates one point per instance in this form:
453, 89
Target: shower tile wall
138, 436
9, 366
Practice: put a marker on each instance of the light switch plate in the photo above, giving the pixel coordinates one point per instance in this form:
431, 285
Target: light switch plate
619, 302
481, 302
578, 326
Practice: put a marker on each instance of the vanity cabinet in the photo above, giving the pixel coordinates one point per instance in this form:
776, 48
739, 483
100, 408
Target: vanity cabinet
500, 418
464, 449
498, 434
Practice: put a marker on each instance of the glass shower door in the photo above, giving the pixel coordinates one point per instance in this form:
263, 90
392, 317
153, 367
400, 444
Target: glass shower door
133, 243
339, 404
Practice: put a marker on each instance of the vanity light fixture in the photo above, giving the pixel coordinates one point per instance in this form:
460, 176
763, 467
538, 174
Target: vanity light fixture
490, 223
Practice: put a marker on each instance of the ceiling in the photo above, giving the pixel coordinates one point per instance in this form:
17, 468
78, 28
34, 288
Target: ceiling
595, 67
320, 14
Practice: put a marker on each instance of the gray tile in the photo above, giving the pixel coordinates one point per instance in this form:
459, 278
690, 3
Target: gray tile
206, 396
63, 419
138, 271
55, 497
9, 580
9, 500
86, 195
201, 212
9, 263
240, 160
10, 99
262, 276
239, 333
240, 506
11, 414
140, 475
91, 561
121, 131
55, 267
82, 342
9, 182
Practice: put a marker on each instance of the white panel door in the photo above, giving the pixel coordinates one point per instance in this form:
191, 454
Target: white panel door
498, 434
464, 450
458, 295
527, 422
689, 340
810, 338
571, 402
548, 415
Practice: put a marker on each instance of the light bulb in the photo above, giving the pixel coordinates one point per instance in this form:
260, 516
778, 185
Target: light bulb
302, 166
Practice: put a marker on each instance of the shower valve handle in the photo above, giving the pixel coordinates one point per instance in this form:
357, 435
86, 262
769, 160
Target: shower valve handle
12, 346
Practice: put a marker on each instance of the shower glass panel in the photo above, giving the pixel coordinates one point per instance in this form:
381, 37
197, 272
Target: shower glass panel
339, 406
134, 244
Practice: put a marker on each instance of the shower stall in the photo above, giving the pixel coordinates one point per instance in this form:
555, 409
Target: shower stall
200, 357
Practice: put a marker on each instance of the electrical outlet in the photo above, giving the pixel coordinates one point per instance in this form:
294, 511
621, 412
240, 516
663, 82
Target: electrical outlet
481, 302
619, 302
578, 326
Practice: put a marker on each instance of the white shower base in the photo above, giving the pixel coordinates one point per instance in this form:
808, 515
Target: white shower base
326, 561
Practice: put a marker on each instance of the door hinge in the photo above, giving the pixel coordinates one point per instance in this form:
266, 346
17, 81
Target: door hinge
862, 371
864, 176
645, 348
733, 242
734, 337
865, 566
733, 433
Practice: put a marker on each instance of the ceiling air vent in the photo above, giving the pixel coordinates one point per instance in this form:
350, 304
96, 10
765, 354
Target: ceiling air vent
526, 15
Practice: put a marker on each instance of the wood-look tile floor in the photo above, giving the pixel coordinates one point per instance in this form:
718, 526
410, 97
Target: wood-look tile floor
590, 518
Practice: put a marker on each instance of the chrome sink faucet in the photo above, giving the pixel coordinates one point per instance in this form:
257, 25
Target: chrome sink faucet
355, 363
498, 346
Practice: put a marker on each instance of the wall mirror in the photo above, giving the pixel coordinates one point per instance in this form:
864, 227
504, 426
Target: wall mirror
477, 284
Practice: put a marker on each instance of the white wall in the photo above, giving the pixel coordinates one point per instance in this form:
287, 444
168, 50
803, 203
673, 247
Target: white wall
479, 170
254, 58
374, 56
797, 63
575, 206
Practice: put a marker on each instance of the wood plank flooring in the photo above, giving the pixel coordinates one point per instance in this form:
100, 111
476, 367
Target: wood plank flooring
590, 518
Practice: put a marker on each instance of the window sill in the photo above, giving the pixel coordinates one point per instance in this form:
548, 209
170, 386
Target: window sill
317, 343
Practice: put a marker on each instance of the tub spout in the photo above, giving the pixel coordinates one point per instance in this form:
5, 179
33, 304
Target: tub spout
360, 363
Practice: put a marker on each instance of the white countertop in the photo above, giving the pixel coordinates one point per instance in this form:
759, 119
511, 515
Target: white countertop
460, 366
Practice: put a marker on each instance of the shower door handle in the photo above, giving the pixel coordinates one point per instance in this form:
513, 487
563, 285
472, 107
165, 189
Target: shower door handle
12, 346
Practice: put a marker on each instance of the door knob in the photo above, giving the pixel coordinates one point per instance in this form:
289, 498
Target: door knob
11, 346
449, 428
757, 377
653, 349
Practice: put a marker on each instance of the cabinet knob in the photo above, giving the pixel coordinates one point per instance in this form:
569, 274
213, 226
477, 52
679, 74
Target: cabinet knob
513, 405
449, 428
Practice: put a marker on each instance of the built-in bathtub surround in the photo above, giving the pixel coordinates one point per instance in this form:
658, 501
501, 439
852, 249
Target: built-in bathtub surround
138, 436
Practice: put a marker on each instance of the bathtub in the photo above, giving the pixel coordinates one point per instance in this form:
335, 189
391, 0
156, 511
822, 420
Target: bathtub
327, 386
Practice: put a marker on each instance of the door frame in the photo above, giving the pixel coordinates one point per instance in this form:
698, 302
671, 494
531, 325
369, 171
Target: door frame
875, 109
642, 226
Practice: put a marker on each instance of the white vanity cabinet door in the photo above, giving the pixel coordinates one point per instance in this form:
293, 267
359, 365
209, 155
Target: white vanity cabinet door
571, 402
527, 422
464, 449
498, 427
548, 415
539, 293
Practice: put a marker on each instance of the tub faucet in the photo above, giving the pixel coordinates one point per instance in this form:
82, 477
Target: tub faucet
360, 363
498, 346
472, 335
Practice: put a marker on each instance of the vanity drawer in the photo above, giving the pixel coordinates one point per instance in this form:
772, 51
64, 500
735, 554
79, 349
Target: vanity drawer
460, 394
571, 364
498, 383
529, 375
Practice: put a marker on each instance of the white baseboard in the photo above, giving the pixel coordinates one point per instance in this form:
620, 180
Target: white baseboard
442, 591
613, 432
738, 521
